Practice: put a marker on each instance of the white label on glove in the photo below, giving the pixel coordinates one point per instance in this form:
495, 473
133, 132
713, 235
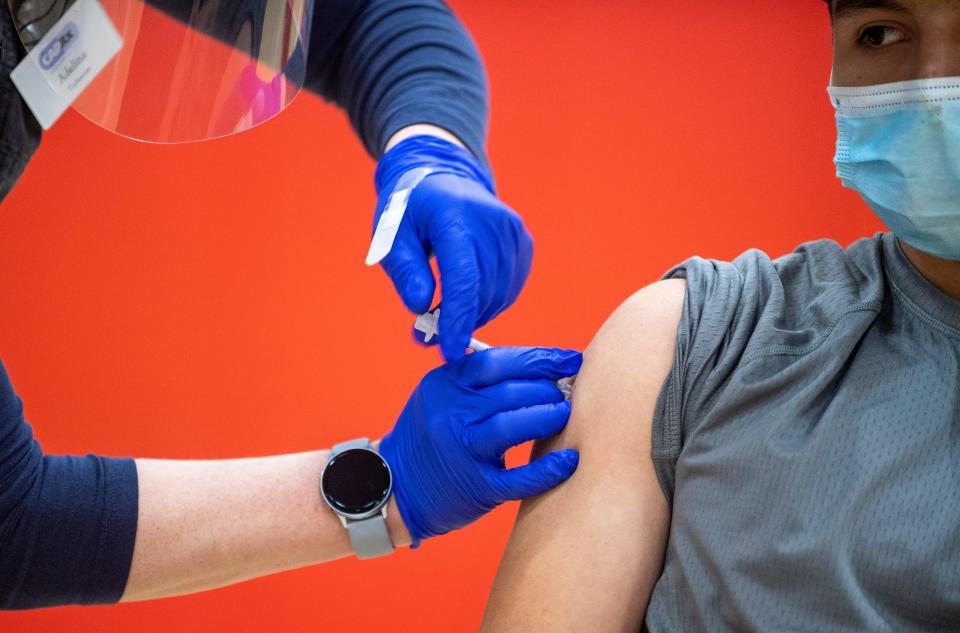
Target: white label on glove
66, 60
390, 219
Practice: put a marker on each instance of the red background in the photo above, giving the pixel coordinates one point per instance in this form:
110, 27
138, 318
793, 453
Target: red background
210, 300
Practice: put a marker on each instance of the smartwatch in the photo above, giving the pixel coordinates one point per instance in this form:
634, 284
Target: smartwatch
356, 484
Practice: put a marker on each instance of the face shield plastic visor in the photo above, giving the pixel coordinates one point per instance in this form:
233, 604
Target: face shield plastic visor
187, 70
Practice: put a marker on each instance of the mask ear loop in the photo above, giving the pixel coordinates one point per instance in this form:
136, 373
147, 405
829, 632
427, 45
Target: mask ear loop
831, 85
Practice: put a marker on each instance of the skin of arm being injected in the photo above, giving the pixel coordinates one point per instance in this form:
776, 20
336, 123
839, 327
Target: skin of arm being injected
585, 557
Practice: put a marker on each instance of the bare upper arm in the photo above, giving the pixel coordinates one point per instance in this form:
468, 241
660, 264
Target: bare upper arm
586, 555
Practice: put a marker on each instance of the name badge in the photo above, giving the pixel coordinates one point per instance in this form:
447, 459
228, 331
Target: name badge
66, 60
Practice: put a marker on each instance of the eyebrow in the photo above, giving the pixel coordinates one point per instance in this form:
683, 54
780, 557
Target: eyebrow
843, 8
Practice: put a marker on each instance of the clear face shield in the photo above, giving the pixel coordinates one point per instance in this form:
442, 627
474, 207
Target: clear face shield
186, 70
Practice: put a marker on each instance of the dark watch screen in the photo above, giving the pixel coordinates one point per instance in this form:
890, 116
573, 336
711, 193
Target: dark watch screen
356, 481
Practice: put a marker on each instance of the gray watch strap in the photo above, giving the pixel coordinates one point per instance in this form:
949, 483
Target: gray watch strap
360, 442
369, 537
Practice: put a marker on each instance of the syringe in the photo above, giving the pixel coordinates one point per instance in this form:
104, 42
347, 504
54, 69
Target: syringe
428, 324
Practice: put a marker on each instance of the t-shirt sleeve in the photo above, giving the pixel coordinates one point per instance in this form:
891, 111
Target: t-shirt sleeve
67, 523
723, 303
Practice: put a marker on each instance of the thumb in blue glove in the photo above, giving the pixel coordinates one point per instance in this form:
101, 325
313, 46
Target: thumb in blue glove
446, 449
483, 249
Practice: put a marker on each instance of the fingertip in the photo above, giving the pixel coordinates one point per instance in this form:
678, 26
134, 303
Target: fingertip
408, 267
551, 362
565, 463
417, 293
416, 287
560, 414
571, 359
570, 458
453, 343
555, 468
570, 365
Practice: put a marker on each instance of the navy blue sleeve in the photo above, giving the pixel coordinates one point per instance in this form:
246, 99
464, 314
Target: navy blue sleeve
394, 63
67, 524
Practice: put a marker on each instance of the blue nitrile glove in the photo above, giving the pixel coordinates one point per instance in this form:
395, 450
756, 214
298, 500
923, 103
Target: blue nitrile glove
483, 250
446, 450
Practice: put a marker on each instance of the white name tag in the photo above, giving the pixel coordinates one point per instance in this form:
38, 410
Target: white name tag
66, 60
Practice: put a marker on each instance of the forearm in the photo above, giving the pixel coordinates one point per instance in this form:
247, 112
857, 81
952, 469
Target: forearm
393, 64
206, 524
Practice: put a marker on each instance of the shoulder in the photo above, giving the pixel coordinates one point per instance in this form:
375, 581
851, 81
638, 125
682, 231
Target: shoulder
828, 261
641, 328
759, 307
627, 362
623, 369
802, 291
754, 306
825, 269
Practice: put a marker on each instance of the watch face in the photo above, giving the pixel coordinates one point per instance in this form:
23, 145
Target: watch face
357, 481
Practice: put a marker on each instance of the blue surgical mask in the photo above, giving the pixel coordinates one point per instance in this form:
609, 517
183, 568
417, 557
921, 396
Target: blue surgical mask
898, 145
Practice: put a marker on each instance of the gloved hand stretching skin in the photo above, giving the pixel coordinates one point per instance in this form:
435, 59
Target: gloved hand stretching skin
446, 450
483, 250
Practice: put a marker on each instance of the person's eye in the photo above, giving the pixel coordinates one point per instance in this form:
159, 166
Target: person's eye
874, 37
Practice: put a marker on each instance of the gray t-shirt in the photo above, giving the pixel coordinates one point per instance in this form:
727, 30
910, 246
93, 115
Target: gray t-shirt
808, 440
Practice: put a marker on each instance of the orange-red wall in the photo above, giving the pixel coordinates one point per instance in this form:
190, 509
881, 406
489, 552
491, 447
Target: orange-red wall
210, 300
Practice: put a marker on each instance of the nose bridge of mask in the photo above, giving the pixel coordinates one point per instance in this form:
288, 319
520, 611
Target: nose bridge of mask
866, 101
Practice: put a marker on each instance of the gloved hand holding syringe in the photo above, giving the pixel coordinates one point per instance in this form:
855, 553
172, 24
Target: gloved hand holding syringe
428, 324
